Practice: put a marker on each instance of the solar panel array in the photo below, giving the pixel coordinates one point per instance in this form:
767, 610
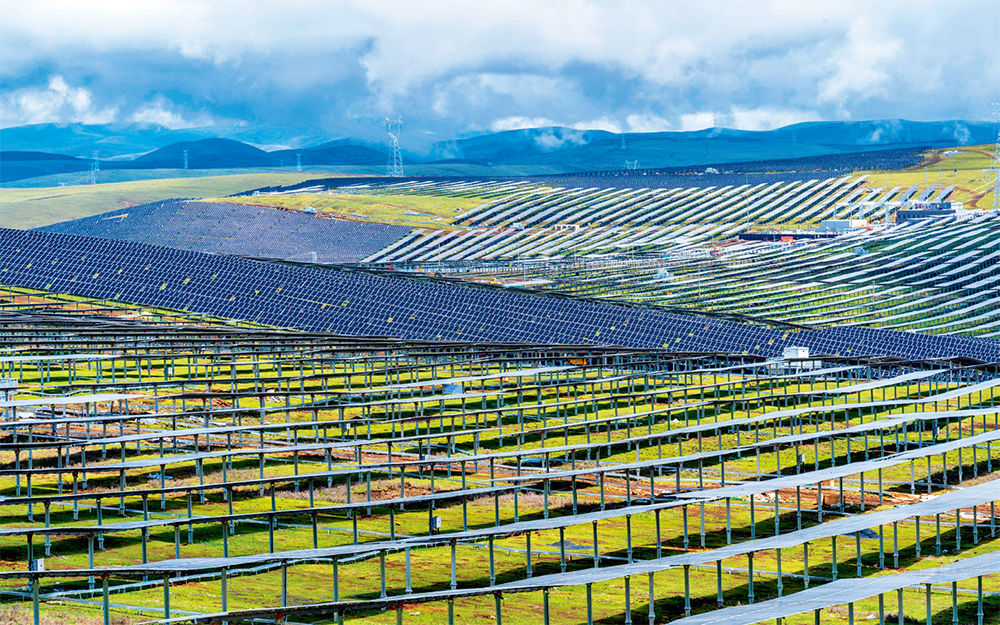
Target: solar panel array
233, 466
239, 229
795, 202
516, 220
523, 220
354, 303
936, 276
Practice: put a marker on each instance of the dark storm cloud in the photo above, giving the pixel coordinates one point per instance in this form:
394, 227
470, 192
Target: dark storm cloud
456, 68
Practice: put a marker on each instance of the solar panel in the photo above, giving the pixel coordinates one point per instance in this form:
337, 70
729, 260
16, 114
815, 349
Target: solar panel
846, 591
238, 229
355, 303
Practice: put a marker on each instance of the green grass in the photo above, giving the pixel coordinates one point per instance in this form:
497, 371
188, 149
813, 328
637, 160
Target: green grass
435, 211
431, 566
41, 206
964, 169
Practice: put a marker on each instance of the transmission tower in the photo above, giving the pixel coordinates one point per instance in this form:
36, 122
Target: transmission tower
185, 159
95, 166
631, 165
298, 161
394, 168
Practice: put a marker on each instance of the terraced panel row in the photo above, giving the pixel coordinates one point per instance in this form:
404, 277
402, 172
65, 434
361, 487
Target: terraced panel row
933, 276
242, 230
353, 303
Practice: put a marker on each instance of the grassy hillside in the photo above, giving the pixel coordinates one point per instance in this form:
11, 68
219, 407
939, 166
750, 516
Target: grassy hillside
40, 206
964, 169
129, 175
400, 209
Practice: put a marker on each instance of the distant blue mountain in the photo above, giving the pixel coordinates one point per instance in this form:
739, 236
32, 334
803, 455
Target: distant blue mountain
206, 154
16, 156
889, 132
516, 144
532, 150
211, 153
576, 150
339, 152
130, 140
17, 165
82, 140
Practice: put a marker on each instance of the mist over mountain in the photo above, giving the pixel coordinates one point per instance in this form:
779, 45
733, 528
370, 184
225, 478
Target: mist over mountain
42, 149
713, 144
125, 141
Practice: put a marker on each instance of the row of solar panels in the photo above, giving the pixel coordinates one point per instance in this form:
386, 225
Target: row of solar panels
239, 229
354, 303
806, 201
938, 277
533, 205
550, 221
557, 222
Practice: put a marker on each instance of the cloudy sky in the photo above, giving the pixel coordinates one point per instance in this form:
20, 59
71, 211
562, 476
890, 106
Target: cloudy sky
465, 67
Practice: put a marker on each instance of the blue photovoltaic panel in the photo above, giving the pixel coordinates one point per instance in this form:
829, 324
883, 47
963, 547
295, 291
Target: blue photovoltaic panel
224, 228
353, 303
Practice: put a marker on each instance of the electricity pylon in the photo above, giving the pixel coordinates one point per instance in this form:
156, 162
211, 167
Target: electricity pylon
394, 168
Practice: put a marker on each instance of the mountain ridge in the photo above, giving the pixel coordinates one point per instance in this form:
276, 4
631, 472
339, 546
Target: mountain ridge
550, 149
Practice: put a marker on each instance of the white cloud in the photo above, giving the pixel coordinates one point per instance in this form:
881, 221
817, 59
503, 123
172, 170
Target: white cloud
763, 118
518, 92
767, 118
669, 60
550, 139
961, 133
601, 123
162, 112
864, 64
58, 102
473, 62
646, 122
519, 123
408, 43
61, 103
633, 123
697, 121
